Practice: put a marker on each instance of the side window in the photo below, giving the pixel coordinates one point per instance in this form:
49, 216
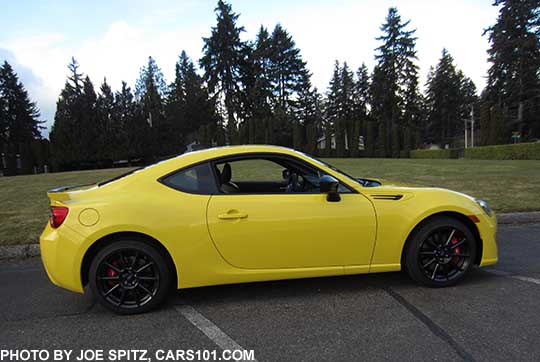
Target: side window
195, 180
255, 169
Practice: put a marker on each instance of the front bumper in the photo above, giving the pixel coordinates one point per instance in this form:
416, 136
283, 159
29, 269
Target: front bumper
487, 228
62, 257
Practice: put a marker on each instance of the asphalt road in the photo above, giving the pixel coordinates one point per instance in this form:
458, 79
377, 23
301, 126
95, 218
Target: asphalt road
494, 315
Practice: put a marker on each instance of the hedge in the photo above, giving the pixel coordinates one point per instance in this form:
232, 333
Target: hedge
518, 151
444, 153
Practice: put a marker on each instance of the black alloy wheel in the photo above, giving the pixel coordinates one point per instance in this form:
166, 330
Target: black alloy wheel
130, 277
441, 252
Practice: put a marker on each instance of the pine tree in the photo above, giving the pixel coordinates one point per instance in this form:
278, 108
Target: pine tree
287, 67
189, 109
332, 109
90, 127
362, 123
222, 61
392, 74
19, 124
513, 78
66, 133
259, 96
307, 116
450, 96
150, 90
106, 119
124, 126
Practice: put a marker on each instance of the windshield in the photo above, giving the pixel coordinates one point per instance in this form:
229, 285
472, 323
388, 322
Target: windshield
331, 167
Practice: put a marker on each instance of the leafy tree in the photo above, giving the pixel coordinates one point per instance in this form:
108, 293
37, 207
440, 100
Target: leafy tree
514, 54
222, 61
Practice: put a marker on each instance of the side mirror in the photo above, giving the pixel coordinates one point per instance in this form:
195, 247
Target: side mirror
329, 186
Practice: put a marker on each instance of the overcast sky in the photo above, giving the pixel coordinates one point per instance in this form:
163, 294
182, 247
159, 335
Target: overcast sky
114, 38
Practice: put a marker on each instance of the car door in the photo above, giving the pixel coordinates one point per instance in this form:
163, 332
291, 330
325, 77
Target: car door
291, 230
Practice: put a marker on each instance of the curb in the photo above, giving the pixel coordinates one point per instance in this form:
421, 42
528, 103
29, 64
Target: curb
19, 251
519, 218
32, 250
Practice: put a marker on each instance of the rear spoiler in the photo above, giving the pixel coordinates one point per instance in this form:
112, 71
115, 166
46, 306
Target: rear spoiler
60, 194
65, 188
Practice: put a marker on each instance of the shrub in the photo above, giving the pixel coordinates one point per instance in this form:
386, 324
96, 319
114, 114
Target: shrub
446, 153
518, 151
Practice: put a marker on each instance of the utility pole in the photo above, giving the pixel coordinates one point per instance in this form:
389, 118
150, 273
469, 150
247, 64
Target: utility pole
472, 126
465, 128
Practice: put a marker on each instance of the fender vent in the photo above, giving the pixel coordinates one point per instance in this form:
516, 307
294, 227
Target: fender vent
387, 197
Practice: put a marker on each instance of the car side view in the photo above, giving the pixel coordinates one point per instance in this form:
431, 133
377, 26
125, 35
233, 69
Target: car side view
254, 213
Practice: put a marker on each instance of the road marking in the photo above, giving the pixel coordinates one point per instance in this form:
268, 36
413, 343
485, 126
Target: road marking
209, 329
430, 324
514, 276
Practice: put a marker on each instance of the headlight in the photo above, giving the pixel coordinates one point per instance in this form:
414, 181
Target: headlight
485, 206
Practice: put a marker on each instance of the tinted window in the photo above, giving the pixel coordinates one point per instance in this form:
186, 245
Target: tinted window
196, 180
254, 169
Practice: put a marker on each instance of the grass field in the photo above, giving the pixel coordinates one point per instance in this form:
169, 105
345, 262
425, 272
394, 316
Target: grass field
507, 185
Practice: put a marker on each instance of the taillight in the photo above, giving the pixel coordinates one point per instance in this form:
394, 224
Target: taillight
58, 215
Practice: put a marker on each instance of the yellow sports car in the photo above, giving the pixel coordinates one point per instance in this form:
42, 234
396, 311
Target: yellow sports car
252, 213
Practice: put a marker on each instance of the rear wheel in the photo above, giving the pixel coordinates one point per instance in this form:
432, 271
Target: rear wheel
441, 252
130, 276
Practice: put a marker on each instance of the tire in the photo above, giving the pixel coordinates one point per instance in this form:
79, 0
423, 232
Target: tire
440, 253
130, 276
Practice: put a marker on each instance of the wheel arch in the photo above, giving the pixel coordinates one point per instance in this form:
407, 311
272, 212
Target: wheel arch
111, 238
453, 214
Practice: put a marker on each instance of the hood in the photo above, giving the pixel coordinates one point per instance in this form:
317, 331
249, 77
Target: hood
375, 182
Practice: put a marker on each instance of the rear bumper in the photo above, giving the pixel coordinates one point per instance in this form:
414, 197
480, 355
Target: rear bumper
61, 256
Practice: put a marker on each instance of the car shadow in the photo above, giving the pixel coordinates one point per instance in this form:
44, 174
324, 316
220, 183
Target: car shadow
309, 288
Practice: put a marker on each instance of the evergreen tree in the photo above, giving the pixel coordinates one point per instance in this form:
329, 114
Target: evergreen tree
259, 89
287, 67
514, 77
124, 126
90, 127
66, 133
222, 62
19, 124
362, 123
450, 96
332, 109
106, 118
307, 117
150, 90
392, 78
189, 107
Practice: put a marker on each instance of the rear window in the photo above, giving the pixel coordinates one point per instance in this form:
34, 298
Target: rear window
195, 180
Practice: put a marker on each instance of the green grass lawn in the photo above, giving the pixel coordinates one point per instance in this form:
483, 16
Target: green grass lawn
506, 185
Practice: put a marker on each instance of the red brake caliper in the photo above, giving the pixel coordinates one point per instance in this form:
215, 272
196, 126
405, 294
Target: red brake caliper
455, 259
112, 273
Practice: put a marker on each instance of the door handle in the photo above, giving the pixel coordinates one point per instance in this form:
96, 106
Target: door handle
232, 214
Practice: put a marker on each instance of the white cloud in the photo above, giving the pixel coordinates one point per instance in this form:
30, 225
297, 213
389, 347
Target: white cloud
324, 32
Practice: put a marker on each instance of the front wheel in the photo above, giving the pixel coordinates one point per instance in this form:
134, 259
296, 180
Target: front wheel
129, 277
440, 253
